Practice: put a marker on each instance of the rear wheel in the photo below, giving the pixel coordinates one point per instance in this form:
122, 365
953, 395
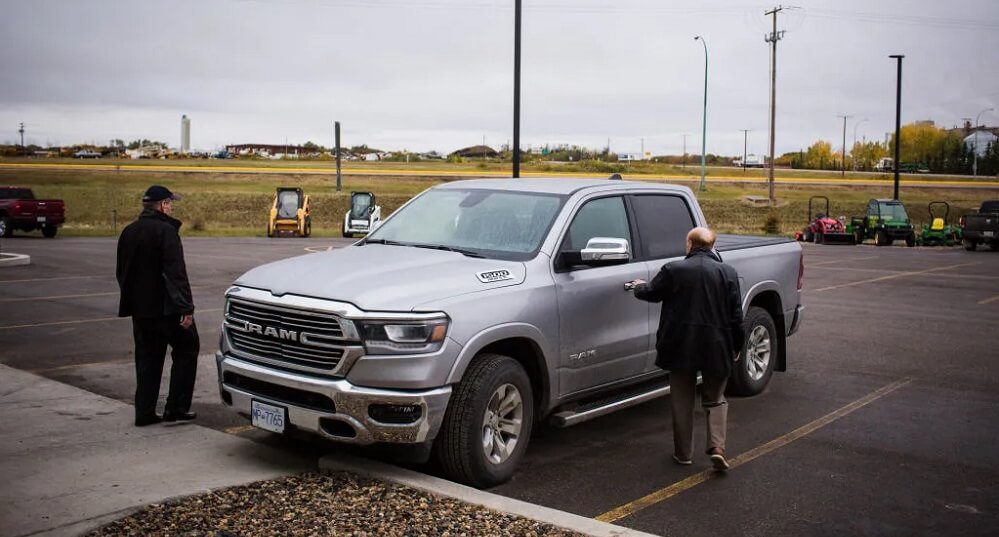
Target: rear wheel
488, 422
49, 231
751, 374
808, 235
858, 237
994, 245
819, 238
970, 245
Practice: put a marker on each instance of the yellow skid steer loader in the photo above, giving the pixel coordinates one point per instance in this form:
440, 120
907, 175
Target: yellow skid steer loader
290, 214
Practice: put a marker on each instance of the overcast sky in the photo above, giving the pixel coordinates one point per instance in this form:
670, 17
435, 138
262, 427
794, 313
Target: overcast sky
438, 74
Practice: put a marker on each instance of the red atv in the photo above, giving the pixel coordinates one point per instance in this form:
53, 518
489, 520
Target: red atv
823, 229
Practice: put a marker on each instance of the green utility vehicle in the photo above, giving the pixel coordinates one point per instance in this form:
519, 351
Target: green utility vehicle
939, 232
886, 221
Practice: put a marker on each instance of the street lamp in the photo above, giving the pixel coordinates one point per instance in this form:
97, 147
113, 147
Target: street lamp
974, 166
704, 121
898, 115
855, 125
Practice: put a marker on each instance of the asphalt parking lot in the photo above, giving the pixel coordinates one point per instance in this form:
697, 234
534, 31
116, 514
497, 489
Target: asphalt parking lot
884, 423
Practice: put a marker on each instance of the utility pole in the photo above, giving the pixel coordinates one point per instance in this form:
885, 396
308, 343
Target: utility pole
773, 38
843, 156
516, 89
643, 149
745, 142
684, 149
21, 131
898, 115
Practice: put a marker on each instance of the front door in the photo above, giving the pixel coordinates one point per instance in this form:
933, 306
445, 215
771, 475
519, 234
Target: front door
603, 328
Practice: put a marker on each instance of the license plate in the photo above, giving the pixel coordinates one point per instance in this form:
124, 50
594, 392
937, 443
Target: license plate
268, 417
41, 218
988, 233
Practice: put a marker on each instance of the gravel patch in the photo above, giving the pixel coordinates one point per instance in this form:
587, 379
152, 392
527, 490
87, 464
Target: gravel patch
323, 504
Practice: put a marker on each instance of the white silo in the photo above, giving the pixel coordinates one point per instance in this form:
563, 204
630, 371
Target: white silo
185, 134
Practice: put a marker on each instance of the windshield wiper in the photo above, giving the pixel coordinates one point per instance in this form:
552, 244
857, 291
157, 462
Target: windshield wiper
462, 251
381, 241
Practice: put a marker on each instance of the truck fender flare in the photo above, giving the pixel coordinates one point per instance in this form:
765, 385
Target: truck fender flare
501, 332
756, 290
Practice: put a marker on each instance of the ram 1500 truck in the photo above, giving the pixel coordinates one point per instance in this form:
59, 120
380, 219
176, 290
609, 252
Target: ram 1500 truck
479, 308
982, 227
20, 210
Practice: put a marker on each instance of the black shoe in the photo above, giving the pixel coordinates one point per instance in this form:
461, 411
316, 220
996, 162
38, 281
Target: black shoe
179, 416
147, 420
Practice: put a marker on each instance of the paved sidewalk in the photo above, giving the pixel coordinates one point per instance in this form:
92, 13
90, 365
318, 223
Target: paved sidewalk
71, 460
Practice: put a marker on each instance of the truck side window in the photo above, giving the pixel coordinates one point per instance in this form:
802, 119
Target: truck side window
663, 223
604, 217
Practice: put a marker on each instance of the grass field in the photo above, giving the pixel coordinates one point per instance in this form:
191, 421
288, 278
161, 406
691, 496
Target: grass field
99, 202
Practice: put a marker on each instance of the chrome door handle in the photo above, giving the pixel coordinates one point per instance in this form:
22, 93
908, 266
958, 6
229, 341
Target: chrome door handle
629, 286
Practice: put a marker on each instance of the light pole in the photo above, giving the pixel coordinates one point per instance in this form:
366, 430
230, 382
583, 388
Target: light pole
855, 125
974, 166
745, 145
898, 115
704, 121
843, 156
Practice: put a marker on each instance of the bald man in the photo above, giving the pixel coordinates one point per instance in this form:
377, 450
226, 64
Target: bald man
700, 330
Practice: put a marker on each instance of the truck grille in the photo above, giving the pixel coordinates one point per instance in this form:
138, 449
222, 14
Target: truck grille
284, 336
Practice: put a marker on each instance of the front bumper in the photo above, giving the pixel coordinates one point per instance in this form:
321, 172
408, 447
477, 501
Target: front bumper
347, 419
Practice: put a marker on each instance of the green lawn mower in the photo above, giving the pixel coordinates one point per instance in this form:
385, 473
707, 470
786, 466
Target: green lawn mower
886, 221
939, 232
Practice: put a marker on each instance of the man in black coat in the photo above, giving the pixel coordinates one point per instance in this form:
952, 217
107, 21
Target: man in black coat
700, 330
156, 293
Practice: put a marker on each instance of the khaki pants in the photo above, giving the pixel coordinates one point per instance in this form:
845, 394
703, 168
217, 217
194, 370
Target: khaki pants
683, 388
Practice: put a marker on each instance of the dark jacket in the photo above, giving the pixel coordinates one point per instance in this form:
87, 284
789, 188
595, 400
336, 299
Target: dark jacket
151, 271
700, 328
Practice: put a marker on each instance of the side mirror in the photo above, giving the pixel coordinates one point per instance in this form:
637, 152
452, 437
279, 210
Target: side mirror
599, 252
371, 209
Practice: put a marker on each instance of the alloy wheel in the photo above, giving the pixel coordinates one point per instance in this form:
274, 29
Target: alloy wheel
502, 423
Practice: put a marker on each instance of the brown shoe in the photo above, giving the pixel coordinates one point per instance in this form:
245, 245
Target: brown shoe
718, 460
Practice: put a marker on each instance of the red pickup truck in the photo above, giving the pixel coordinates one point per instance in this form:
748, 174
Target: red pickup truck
20, 210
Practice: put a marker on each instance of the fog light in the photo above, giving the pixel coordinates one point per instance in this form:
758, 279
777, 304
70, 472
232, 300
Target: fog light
396, 414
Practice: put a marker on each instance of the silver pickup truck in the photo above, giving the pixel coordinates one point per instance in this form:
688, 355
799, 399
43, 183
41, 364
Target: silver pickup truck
479, 308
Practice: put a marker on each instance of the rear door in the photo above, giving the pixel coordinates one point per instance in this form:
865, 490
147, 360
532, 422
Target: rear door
603, 328
662, 222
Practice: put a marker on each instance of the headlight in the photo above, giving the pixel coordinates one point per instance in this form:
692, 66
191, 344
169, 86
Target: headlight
403, 337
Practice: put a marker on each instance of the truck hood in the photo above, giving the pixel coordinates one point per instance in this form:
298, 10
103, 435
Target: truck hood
379, 277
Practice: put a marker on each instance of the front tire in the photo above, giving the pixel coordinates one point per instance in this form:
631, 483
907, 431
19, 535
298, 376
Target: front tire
881, 238
751, 374
6, 230
488, 423
910, 240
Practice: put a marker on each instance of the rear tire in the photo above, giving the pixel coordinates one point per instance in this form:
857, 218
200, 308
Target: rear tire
970, 245
994, 245
49, 231
488, 422
819, 238
751, 374
808, 236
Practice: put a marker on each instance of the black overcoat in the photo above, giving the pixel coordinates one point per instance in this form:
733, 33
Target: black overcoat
700, 328
151, 271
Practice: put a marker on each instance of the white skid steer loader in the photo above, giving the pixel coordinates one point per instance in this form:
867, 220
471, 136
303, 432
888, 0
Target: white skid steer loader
364, 215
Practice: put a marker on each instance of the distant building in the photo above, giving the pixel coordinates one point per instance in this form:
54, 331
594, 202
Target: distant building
476, 151
185, 134
271, 150
979, 141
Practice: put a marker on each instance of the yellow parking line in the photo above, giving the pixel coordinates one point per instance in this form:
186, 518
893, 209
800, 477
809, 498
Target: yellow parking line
83, 321
899, 275
239, 429
666, 493
989, 300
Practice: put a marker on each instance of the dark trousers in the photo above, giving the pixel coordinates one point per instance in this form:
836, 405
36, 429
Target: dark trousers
683, 390
152, 335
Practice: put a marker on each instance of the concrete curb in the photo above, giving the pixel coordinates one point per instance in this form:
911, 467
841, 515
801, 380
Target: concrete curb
13, 260
442, 487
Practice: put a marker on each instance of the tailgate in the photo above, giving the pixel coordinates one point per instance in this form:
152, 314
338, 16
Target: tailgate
982, 222
31, 208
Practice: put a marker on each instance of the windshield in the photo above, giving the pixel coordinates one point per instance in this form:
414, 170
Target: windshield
504, 225
16, 194
287, 204
359, 206
893, 211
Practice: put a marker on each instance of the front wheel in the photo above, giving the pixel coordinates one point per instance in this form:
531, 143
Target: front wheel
488, 422
308, 228
910, 240
881, 239
751, 374
6, 230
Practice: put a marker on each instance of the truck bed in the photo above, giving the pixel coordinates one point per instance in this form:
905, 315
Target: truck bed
728, 243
